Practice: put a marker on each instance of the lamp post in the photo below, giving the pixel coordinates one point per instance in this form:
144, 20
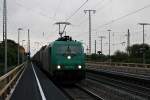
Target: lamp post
5, 31
23, 52
143, 24
19, 29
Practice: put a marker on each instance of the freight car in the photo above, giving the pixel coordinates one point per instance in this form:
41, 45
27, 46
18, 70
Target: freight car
62, 59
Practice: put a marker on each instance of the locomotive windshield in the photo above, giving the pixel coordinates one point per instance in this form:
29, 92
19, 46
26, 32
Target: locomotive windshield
69, 50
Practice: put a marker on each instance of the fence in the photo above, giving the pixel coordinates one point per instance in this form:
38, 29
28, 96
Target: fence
8, 80
116, 64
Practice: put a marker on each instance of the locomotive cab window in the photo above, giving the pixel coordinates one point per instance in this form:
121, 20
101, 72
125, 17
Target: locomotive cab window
69, 50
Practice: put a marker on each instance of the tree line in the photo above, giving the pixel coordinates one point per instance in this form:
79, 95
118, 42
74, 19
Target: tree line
12, 57
133, 54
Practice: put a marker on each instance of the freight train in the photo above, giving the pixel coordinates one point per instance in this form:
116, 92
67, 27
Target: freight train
63, 60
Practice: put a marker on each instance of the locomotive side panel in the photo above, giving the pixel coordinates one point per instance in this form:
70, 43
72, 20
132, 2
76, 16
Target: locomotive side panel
63, 60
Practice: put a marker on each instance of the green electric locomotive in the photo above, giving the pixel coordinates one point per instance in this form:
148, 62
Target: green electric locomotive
63, 60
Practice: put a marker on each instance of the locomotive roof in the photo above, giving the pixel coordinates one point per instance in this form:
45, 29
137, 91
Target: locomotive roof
65, 38
61, 42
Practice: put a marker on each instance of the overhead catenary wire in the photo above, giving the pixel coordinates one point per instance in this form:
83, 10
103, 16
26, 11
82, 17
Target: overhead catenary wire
39, 13
100, 8
55, 13
103, 6
76, 11
124, 16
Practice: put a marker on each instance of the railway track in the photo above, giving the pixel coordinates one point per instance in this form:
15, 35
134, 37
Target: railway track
132, 89
77, 92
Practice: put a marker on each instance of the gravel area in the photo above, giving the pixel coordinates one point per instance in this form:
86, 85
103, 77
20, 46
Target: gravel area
77, 94
108, 92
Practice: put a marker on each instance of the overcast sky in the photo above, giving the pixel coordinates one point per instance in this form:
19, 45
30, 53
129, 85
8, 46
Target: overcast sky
40, 15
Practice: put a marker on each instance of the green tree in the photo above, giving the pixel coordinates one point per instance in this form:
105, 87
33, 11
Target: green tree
136, 53
119, 56
12, 54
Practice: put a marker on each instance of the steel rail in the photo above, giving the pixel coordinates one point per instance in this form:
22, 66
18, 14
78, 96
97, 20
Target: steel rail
122, 85
123, 74
110, 91
68, 92
90, 92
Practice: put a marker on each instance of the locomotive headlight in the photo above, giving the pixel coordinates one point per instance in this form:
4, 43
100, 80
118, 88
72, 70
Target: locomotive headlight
58, 67
68, 57
79, 66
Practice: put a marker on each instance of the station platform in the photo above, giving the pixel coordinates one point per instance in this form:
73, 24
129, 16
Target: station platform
35, 85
